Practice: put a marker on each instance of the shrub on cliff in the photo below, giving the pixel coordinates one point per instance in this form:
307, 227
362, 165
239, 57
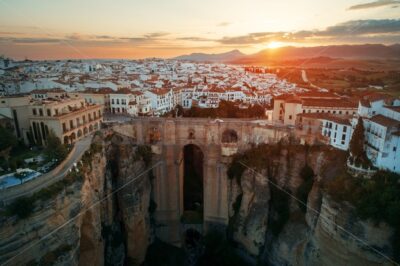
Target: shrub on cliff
21, 207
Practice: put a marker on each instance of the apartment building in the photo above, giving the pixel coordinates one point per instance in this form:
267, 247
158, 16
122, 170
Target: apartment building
99, 96
69, 118
287, 107
121, 101
15, 109
161, 100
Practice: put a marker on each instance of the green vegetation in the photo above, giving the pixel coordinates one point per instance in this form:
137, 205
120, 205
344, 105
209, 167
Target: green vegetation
377, 198
307, 175
226, 110
356, 146
21, 176
21, 207
258, 157
53, 190
7, 138
54, 148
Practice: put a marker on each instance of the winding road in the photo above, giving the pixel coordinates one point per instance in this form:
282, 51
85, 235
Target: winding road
45, 180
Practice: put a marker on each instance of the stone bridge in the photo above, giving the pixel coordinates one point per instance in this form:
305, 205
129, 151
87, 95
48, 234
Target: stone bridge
216, 141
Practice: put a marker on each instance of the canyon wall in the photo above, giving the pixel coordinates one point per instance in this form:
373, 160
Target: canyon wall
318, 234
82, 222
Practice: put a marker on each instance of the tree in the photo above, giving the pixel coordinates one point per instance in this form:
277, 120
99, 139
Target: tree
178, 110
7, 138
55, 149
357, 142
20, 176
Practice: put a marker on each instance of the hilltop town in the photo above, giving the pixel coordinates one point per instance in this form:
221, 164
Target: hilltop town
71, 99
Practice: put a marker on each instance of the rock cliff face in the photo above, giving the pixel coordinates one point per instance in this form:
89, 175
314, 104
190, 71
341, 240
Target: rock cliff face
85, 223
318, 235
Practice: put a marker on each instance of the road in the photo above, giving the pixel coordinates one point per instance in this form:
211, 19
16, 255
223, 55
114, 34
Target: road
49, 178
305, 79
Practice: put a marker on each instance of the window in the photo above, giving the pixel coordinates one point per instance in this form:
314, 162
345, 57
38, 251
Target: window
48, 112
112, 101
343, 136
394, 148
56, 111
34, 111
344, 129
41, 112
64, 127
290, 117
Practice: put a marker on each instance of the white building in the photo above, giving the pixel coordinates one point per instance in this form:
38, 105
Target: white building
161, 100
120, 100
338, 130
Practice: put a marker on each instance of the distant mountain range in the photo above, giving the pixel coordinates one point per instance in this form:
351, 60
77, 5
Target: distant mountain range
223, 57
365, 51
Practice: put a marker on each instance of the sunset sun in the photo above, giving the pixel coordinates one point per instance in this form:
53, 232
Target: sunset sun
273, 45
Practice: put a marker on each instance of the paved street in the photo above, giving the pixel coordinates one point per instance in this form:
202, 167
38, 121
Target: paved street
49, 178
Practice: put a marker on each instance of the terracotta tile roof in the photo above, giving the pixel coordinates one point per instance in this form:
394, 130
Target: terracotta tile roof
102, 90
385, 121
42, 91
394, 108
123, 91
365, 103
329, 103
159, 91
318, 95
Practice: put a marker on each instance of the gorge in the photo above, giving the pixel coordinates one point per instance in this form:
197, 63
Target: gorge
113, 210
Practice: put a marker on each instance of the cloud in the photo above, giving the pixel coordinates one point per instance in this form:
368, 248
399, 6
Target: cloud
224, 24
374, 4
30, 40
356, 31
354, 28
195, 39
154, 35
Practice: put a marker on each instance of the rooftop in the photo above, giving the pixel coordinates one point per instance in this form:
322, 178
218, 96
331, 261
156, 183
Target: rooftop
385, 121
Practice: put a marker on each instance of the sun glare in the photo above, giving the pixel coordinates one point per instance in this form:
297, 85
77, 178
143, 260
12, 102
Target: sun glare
273, 45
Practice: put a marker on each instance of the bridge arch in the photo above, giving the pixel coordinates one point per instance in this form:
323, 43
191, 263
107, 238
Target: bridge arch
192, 178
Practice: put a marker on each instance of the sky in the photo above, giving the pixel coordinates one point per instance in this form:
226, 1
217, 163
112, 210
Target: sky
88, 29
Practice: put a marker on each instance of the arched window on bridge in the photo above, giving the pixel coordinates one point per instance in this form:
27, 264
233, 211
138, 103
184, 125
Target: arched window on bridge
191, 134
229, 136
154, 135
